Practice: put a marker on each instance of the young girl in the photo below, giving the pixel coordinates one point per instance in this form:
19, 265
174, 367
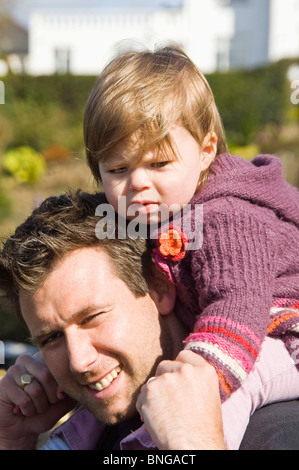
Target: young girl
154, 136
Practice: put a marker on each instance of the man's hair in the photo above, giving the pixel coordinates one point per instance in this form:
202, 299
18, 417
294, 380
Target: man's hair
145, 94
59, 226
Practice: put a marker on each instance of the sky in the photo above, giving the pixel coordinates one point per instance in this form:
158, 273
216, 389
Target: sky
22, 8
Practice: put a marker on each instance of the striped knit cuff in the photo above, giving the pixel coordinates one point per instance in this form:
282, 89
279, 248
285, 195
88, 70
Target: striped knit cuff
229, 346
284, 317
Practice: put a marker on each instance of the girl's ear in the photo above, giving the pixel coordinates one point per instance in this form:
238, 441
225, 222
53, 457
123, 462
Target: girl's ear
162, 291
209, 150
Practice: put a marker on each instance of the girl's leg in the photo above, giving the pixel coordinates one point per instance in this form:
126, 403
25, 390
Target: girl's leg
274, 378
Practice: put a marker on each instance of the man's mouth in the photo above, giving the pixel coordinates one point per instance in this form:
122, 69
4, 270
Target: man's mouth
105, 381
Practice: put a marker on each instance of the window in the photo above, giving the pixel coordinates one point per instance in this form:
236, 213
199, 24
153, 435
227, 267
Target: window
222, 45
62, 60
239, 49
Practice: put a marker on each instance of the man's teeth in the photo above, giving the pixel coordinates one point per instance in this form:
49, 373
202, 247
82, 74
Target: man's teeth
105, 381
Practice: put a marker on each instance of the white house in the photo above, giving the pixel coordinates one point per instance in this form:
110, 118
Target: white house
284, 29
217, 34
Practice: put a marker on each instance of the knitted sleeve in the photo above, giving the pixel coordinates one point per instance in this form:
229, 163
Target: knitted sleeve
234, 274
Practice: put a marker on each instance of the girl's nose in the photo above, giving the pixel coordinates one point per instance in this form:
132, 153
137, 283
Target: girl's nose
139, 180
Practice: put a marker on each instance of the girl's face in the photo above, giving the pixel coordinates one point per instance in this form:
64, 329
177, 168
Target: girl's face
146, 184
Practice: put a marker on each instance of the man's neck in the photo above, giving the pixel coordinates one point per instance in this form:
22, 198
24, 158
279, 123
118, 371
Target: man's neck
178, 332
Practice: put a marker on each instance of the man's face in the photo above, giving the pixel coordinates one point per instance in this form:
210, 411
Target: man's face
100, 342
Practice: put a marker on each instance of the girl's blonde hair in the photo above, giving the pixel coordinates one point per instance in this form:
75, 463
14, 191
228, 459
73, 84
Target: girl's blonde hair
146, 94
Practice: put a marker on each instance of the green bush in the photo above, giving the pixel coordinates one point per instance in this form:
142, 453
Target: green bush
250, 100
11, 326
5, 205
46, 110
25, 164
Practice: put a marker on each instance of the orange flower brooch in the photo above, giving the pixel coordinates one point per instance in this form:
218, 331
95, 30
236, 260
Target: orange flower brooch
172, 244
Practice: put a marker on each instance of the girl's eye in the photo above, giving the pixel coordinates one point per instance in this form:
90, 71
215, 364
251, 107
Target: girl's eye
159, 164
118, 171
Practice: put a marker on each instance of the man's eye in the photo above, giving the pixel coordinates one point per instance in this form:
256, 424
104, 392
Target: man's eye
90, 318
51, 338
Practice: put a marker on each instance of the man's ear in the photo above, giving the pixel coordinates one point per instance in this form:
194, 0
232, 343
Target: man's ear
162, 291
209, 150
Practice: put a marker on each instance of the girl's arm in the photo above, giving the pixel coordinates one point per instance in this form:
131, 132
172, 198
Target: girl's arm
234, 275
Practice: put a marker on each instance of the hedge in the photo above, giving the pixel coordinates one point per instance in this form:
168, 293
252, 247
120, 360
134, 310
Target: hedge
47, 110
42, 111
249, 100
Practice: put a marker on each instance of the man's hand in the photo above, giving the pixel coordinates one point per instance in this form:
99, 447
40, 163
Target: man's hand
24, 414
181, 407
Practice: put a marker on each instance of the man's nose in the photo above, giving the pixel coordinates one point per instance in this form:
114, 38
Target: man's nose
82, 353
139, 179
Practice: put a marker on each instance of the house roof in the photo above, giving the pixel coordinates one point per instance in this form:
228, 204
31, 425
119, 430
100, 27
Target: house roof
13, 37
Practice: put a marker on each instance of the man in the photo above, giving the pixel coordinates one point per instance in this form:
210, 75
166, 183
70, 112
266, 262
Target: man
103, 332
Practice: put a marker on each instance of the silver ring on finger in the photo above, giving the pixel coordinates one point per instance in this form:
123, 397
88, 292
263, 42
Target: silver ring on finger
150, 379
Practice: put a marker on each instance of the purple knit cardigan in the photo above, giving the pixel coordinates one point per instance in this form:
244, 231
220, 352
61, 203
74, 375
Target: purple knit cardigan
243, 283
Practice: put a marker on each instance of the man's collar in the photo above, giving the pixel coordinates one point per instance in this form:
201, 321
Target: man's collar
82, 431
